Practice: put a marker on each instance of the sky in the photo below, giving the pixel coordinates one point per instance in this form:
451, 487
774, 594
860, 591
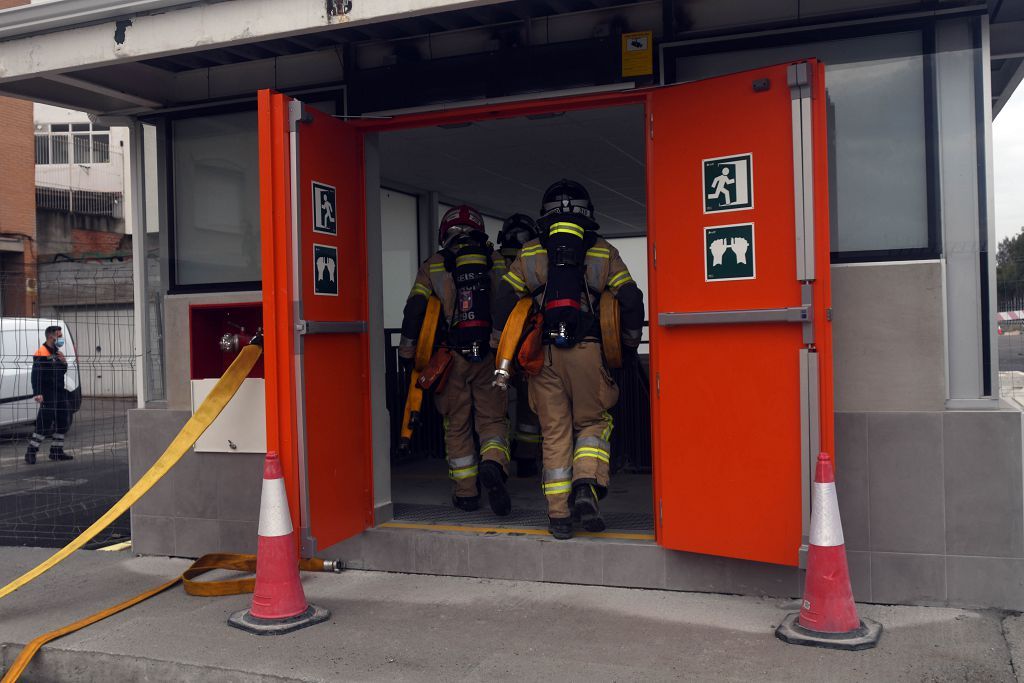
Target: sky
1008, 162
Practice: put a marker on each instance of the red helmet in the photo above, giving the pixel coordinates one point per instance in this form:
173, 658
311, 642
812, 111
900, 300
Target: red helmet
459, 220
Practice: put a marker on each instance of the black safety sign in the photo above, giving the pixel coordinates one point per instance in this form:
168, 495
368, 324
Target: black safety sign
325, 209
729, 252
325, 270
729, 183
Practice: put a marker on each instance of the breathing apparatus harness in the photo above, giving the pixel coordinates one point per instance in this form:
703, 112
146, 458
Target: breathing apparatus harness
468, 260
566, 323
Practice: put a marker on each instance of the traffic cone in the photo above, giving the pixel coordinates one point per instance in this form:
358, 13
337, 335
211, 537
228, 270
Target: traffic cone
278, 601
828, 616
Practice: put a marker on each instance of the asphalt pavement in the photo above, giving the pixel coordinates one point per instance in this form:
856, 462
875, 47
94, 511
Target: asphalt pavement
49, 503
401, 627
1011, 352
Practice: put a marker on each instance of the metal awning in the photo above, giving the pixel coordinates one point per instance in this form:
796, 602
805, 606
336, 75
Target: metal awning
131, 57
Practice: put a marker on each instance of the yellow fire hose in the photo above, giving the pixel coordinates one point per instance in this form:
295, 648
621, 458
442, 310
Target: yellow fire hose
424, 349
203, 417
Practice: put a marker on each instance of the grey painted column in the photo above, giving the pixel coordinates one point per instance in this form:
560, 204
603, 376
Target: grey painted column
381, 431
140, 280
961, 188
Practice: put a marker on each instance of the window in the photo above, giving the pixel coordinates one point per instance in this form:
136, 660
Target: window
878, 137
216, 221
89, 143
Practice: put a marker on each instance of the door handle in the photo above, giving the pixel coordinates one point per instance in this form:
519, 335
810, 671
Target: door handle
331, 326
792, 314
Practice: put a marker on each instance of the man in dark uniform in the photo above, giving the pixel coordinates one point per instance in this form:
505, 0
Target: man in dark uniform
48, 369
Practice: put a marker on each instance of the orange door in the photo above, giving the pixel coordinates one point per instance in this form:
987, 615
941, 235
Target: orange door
740, 307
315, 311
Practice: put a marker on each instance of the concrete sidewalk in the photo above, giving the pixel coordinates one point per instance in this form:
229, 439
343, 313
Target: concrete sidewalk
401, 627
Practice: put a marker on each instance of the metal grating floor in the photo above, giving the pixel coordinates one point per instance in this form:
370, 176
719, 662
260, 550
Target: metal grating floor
519, 517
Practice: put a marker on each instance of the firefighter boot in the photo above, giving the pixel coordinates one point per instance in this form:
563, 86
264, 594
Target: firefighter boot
30, 454
467, 504
57, 453
493, 479
584, 507
560, 527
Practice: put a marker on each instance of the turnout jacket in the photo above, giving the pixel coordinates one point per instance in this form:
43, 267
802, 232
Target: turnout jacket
434, 279
604, 268
48, 370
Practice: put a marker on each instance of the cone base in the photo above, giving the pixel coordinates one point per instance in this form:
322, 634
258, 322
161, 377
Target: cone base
276, 627
863, 638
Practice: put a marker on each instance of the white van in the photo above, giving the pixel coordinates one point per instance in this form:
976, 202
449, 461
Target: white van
19, 340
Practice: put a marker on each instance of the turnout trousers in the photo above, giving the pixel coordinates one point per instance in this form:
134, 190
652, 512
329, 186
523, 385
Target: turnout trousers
527, 436
469, 397
571, 396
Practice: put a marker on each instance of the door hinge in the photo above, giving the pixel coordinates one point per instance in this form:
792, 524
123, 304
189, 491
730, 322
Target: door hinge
651, 126
828, 314
657, 383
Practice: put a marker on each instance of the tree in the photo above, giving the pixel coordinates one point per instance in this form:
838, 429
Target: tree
1010, 272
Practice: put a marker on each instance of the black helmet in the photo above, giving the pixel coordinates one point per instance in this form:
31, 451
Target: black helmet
517, 230
567, 200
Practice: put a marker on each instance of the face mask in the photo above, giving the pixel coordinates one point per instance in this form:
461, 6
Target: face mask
59, 343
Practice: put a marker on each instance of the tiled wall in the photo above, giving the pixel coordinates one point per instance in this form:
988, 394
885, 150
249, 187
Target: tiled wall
932, 507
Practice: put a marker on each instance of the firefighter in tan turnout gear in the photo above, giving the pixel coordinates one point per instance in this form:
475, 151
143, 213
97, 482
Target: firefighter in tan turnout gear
566, 271
464, 275
517, 230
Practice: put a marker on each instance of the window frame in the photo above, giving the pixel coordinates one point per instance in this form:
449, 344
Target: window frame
925, 26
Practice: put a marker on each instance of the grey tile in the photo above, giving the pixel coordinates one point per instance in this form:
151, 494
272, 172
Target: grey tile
238, 537
239, 481
195, 487
693, 572
634, 565
859, 563
152, 535
574, 561
502, 557
906, 483
349, 551
194, 537
984, 507
985, 582
908, 579
851, 460
759, 578
149, 434
436, 552
388, 550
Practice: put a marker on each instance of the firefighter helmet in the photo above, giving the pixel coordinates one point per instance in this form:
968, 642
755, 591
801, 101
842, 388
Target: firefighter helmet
459, 220
567, 199
517, 231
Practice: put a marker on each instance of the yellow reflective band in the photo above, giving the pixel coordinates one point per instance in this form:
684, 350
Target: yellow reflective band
495, 446
499, 266
516, 283
471, 259
464, 472
533, 251
529, 438
420, 289
437, 268
588, 452
570, 228
609, 423
556, 487
620, 279
599, 252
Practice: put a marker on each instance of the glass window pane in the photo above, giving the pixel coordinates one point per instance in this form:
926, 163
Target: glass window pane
60, 128
216, 199
100, 149
42, 149
81, 149
79, 126
60, 149
877, 143
100, 126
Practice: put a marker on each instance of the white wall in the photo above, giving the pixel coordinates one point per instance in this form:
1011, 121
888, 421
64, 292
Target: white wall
400, 257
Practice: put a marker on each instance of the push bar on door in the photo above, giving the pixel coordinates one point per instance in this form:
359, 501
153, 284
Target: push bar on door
793, 314
332, 327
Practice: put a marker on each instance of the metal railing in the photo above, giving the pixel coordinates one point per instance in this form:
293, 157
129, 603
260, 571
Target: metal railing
631, 438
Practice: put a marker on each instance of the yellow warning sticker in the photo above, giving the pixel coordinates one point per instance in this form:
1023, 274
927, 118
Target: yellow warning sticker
638, 53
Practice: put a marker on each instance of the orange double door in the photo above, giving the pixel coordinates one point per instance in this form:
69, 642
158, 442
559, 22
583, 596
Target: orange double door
739, 306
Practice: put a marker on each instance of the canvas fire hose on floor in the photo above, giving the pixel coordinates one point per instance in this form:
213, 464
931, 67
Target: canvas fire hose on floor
203, 417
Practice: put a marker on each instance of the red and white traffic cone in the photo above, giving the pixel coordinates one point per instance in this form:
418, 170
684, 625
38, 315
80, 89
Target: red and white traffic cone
278, 601
828, 616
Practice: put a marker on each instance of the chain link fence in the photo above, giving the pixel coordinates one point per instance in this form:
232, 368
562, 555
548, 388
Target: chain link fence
50, 502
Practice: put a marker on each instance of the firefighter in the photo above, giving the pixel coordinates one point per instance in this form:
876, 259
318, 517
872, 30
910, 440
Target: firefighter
517, 230
566, 270
54, 417
464, 275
